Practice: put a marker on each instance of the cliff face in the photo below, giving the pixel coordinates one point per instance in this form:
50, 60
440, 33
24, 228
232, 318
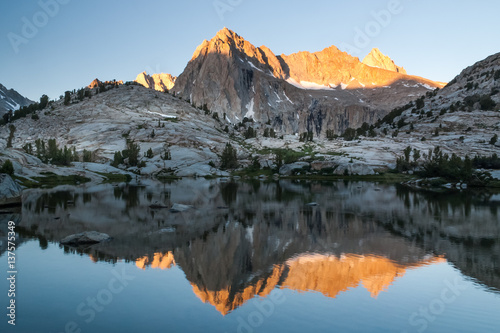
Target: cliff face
295, 93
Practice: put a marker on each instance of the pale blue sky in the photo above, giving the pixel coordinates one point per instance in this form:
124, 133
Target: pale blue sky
117, 39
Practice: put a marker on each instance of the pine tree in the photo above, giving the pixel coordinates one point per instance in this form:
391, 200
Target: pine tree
117, 159
12, 129
44, 101
229, 159
132, 153
67, 97
494, 139
279, 158
166, 153
7, 167
87, 156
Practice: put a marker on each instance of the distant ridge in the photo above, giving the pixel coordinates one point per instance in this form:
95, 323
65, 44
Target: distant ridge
160, 82
11, 100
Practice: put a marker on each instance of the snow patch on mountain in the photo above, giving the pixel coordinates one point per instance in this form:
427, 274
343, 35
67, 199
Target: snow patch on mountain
250, 113
306, 85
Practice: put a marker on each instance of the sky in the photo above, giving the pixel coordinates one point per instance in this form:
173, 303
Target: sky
50, 46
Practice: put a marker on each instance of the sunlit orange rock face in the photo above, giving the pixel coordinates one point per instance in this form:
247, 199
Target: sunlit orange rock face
327, 67
96, 83
159, 82
334, 67
327, 274
226, 301
377, 59
162, 261
331, 275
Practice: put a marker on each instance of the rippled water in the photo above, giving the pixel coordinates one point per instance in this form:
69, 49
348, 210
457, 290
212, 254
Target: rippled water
257, 257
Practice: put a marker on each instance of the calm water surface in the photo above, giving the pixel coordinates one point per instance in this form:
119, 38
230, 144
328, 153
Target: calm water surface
282, 256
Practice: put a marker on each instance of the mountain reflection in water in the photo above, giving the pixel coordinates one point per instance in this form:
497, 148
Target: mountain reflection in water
327, 274
243, 239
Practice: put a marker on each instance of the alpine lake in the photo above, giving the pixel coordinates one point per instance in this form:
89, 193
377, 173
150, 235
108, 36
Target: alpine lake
255, 256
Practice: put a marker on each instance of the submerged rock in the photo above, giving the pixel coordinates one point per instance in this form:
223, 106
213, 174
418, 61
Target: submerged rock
10, 191
157, 206
85, 238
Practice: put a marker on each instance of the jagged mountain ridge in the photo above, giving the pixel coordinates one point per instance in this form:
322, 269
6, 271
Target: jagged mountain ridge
295, 93
11, 100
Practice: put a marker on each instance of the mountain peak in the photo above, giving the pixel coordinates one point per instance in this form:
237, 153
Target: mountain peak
376, 51
226, 35
225, 32
94, 84
377, 59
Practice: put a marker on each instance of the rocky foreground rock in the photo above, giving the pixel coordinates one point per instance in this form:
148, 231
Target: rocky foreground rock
10, 191
85, 238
